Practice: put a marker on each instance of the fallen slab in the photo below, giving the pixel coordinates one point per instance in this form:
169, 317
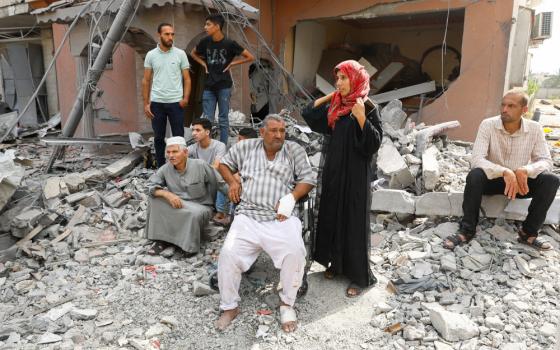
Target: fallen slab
430, 168
10, 177
126, 164
396, 201
450, 204
424, 136
391, 163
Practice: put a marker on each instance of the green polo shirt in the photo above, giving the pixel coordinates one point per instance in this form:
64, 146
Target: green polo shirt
167, 78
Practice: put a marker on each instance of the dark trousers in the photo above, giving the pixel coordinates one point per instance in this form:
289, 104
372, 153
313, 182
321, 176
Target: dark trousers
162, 112
542, 190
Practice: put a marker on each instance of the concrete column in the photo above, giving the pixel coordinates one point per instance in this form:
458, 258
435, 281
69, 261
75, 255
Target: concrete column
47, 44
88, 122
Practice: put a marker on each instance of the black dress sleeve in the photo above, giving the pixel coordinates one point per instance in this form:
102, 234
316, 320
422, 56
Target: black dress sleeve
368, 139
316, 118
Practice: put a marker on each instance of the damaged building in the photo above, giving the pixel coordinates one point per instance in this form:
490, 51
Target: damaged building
76, 270
446, 60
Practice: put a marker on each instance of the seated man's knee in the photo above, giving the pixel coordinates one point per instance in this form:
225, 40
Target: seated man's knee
476, 175
551, 181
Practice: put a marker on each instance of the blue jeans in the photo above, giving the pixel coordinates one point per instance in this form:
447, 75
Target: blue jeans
222, 203
220, 97
162, 112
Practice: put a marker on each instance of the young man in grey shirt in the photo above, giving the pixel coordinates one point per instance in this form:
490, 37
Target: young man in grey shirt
211, 151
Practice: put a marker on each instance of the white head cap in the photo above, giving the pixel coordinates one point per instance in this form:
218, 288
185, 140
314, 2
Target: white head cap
176, 140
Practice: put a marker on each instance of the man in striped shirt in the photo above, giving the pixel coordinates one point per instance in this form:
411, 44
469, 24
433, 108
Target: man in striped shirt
510, 156
275, 174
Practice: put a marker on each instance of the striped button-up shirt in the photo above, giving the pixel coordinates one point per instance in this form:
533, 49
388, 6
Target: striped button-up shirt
263, 181
496, 150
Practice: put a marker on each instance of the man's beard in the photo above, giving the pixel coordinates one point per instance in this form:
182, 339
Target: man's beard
167, 44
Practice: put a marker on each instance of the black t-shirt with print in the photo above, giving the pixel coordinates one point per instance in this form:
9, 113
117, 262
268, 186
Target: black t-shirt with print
218, 54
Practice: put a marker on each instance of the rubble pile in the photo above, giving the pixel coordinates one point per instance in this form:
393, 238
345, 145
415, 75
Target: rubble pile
417, 157
491, 294
75, 273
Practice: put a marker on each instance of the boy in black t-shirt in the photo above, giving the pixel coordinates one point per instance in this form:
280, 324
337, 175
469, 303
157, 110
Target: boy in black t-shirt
216, 54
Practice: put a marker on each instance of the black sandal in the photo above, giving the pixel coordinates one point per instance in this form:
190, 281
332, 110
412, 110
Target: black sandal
537, 243
457, 241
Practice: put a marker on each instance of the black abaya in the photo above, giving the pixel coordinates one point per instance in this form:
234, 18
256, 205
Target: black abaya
343, 231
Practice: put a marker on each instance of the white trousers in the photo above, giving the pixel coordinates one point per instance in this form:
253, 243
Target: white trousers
246, 238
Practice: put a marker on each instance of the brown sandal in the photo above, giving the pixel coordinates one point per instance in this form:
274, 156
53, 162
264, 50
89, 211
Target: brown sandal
329, 273
353, 290
538, 242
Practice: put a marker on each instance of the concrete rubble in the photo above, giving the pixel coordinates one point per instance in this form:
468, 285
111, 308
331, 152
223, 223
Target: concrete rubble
74, 269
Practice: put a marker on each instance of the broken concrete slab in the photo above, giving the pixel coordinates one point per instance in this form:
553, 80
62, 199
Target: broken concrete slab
93, 175
125, 164
519, 208
10, 177
430, 168
440, 204
393, 114
76, 197
424, 136
397, 201
391, 163
74, 182
453, 326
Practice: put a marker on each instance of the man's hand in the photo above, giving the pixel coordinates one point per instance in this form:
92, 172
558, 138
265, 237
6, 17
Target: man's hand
511, 184
234, 192
148, 111
285, 207
521, 175
205, 67
183, 103
228, 67
174, 200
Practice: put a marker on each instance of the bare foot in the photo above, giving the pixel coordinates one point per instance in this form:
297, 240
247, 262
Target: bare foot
226, 317
219, 216
289, 326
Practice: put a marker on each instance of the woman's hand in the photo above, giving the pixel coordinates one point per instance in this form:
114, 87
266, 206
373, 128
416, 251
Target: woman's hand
359, 111
323, 100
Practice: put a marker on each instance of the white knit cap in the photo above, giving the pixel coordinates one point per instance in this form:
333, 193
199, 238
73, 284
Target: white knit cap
176, 140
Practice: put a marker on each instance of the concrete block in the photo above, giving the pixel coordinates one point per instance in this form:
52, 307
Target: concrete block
440, 204
493, 206
393, 114
125, 164
453, 326
430, 168
93, 175
433, 204
519, 208
402, 179
389, 160
391, 163
51, 188
395, 201
74, 182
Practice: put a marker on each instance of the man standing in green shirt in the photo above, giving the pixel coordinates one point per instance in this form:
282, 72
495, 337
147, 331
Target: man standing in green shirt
165, 88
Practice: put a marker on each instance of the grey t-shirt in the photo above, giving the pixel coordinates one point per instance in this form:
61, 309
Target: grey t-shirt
216, 150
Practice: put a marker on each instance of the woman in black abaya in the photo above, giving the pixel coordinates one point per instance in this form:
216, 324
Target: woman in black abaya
354, 127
